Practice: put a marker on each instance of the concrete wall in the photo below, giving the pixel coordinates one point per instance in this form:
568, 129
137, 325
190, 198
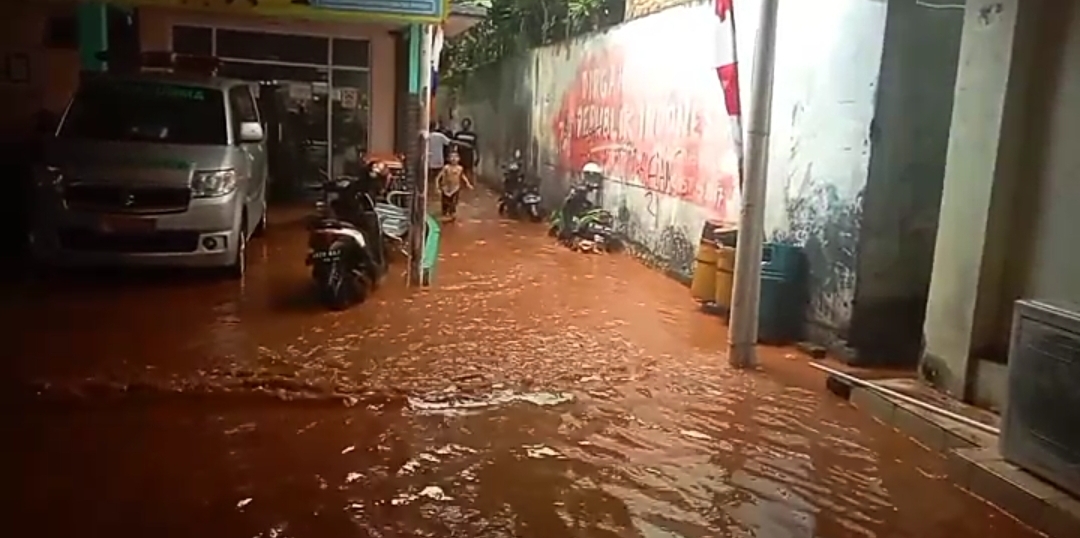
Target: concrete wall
641, 8
155, 28
909, 140
669, 178
1008, 58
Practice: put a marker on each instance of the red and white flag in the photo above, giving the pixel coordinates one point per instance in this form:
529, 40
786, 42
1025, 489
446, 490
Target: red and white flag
727, 70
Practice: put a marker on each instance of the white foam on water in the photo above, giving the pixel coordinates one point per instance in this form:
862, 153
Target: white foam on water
464, 405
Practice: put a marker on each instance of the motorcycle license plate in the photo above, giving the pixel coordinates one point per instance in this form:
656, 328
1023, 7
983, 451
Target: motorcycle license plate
531, 199
326, 255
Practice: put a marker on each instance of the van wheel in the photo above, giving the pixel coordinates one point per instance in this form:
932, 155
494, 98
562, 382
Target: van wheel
238, 267
260, 227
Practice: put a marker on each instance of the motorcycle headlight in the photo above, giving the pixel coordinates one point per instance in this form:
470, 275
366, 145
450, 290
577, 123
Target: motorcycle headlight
213, 183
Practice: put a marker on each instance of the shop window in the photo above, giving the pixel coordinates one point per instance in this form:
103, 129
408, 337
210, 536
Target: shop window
257, 72
243, 108
268, 47
351, 53
193, 40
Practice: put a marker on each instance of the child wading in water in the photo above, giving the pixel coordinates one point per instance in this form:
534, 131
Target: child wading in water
449, 180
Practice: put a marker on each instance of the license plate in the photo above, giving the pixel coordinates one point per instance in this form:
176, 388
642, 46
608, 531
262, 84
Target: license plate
531, 199
326, 255
127, 225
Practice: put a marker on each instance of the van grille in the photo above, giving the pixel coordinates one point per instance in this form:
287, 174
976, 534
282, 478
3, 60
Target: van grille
160, 242
116, 199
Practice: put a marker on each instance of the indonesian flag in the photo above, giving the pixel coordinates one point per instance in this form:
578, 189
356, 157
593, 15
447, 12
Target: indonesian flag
727, 69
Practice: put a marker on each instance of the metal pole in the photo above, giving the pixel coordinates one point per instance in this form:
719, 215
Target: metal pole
419, 206
743, 328
908, 399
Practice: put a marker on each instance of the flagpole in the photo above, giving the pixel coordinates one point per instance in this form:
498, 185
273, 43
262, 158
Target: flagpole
741, 155
743, 327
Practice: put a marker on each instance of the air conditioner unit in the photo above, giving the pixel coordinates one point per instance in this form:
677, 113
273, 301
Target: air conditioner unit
1041, 427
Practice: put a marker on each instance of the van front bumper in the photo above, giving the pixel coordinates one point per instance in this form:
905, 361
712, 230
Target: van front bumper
205, 235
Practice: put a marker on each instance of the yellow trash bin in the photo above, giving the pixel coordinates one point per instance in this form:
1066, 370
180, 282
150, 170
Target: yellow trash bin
725, 277
703, 286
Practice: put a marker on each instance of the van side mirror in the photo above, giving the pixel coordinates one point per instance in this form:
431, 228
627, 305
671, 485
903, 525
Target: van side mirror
251, 131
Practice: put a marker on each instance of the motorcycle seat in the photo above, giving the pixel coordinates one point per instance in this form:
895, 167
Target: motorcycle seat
334, 223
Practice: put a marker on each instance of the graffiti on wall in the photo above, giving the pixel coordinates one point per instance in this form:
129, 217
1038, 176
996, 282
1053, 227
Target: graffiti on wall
657, 132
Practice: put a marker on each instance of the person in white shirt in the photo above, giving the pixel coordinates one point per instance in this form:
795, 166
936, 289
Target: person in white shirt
437, 143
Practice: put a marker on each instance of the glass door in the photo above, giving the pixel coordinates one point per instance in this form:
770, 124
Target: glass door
349, 121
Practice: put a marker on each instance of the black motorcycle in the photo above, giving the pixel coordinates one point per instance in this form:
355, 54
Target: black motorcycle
520, 198
346, 250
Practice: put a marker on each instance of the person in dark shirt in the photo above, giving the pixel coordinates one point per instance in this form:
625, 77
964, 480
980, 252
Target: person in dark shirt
465, 141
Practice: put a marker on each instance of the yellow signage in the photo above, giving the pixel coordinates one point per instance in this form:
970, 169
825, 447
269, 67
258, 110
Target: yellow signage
404, 11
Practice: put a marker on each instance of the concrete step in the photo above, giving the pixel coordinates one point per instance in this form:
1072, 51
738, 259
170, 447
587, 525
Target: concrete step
973, 460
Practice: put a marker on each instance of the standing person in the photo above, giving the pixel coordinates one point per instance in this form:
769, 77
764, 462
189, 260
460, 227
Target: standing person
467, 147
437, 144
449, 180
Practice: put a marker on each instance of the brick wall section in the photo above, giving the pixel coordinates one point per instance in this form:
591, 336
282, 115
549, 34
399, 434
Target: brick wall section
640, 8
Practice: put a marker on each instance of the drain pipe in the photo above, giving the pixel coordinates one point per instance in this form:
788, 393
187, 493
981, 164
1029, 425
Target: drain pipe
986, 428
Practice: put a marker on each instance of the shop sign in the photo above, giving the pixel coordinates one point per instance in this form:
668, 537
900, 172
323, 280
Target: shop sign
334, 10
349, 98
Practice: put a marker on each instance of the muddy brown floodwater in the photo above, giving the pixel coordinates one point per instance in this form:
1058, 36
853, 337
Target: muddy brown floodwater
534, 392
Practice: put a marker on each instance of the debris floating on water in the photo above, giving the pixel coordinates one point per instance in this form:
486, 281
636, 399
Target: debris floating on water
243, 503
696, 435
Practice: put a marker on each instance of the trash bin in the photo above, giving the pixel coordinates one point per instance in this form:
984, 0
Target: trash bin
703, 285
782, 306
725, 278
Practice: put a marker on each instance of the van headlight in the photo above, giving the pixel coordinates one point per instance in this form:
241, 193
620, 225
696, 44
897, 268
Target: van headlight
213, 183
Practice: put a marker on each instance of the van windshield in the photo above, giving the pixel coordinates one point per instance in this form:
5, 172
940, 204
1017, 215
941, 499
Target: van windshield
147, 111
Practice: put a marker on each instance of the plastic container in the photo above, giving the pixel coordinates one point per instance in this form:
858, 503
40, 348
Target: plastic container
781, 259
725, 278
703, 286
782, 308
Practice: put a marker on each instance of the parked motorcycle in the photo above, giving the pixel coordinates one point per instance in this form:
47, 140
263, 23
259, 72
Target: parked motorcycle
581, 224
346, 249
519, 198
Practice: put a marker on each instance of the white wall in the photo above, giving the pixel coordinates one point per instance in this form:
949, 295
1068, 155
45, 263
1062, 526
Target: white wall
828, 58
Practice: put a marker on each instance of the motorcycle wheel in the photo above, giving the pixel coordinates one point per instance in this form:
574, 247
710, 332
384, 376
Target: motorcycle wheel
534, 213
502, 209
338, 288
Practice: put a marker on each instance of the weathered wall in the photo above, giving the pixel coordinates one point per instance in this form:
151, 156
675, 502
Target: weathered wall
643, 99
828, 59
909, 140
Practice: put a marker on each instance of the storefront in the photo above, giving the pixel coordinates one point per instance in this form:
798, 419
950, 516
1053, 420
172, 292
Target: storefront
328, 87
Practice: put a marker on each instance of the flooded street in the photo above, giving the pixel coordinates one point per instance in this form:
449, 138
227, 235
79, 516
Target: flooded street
534, 392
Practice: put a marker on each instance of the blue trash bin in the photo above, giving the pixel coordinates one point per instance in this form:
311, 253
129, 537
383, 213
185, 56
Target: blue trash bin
783, 298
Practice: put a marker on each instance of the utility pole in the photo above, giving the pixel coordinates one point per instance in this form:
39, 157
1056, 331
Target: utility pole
746, 292
418, 220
